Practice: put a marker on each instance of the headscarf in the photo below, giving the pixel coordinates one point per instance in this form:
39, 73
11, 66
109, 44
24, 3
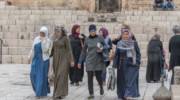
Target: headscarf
104, 32
127, 45
105, 35
176, 29
46, 44
60, 29
73, 31
44, 30
57, 29
123, 30
92, 28
156, 37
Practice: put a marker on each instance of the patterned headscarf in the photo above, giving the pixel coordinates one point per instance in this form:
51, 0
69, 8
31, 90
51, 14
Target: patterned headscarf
104, 31
127, 45
123, 30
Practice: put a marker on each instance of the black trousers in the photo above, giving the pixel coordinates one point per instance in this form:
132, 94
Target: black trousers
98, 75
82, 72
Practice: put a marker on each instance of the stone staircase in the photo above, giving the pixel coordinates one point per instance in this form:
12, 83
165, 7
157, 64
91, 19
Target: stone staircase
18, 26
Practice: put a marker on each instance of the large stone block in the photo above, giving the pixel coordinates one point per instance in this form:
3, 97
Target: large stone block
23, 50
5, 51
36, 12
175, 89
1, 34
141, 37
25, 12
25, 59
21, 22
6, 59
10, 42
10, 35
25, 43
3, 22
177, 75
13, 51
172, 18
16, 59
24, 36
14, 28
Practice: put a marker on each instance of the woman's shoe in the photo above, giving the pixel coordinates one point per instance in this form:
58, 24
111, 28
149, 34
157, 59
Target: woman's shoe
38, 97
91, 97
101, 91
77, 84
72, 83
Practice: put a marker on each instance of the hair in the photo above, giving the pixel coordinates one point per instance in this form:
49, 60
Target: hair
156, 37
74, 28
126, 26
63, 32
176, 29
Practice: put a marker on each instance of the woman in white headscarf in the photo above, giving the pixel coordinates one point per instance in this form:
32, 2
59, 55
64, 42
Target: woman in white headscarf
40, 63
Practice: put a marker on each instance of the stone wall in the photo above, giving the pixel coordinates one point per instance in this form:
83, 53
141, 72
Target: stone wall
89, 5
18, 27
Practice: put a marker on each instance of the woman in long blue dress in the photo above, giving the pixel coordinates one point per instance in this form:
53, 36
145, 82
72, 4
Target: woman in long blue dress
40, 63
127, 62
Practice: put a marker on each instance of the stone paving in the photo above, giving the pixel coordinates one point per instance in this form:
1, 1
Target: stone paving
15, 85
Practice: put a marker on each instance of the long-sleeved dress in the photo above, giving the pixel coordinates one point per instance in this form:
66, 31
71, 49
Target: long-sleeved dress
155, 61
75, 72
62, 55
127, 73
94, 61
39, 72
174, 48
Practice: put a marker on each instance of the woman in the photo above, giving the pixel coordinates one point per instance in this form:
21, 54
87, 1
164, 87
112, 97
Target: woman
127, 61
125, 27
92, 52
76, 45
174, 48
155, 59
107, 48
62, 59
40, 63
83, 38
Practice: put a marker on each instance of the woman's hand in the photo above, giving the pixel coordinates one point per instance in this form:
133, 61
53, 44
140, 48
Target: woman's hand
72, 64
166, 66
111, 56
79, 66
99, 50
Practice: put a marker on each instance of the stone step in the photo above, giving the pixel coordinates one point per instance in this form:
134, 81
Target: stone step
17, 35
175, 89
17, 43
14, 59
16, 50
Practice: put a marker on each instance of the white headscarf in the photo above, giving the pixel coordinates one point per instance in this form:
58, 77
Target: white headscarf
46, 44
44, 29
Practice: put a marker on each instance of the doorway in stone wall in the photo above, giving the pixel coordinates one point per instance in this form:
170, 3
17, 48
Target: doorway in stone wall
108, 5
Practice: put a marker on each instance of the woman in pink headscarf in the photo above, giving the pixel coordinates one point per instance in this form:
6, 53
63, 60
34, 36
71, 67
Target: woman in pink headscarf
76, 45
